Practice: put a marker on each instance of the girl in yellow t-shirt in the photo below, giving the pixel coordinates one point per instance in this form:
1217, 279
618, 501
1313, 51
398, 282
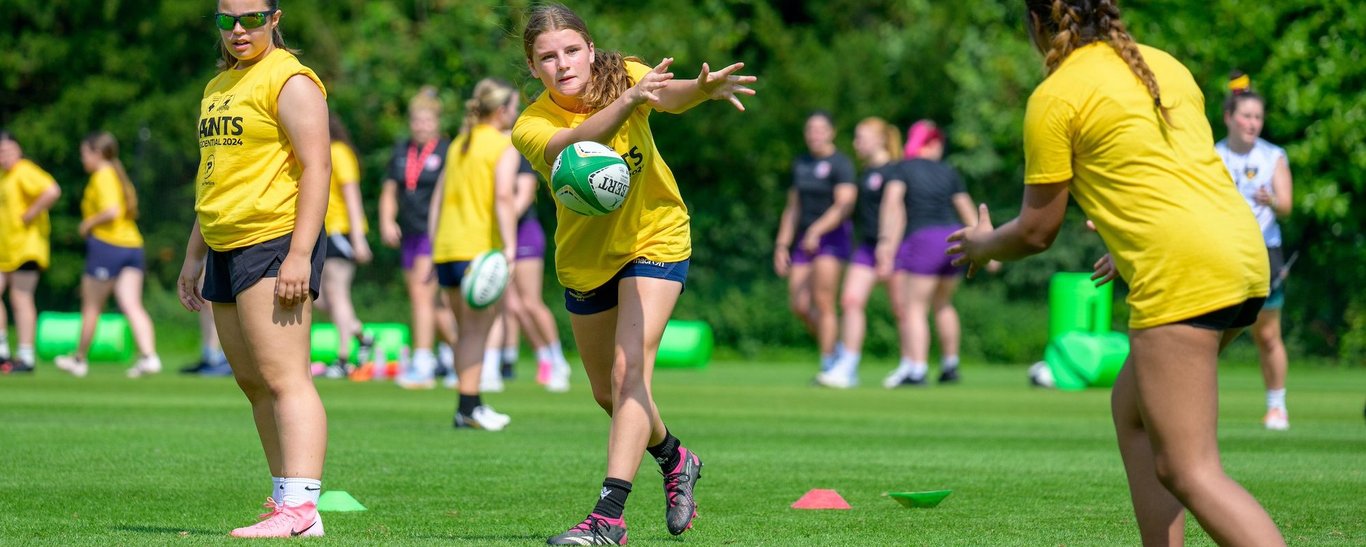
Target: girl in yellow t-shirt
26, 194
1122, 127
114, 261
624, 271
346, 246
260, 196
472, 212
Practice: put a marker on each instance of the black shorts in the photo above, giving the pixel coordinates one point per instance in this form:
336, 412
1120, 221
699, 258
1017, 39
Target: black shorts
1237, 316
228, 273
339, 246
30, 266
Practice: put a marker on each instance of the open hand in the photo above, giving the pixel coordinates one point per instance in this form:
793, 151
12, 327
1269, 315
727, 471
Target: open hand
724, 84
968, 242
654, 80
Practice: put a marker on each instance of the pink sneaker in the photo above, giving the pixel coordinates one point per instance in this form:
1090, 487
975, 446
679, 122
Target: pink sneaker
544, 370
285, 521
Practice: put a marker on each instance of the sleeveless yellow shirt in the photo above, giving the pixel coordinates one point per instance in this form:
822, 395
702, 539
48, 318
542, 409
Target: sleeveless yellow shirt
19, 188
105, 190
248, 181
653, 221
469, 225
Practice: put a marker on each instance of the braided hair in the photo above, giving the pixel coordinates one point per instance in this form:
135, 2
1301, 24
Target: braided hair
1063, 26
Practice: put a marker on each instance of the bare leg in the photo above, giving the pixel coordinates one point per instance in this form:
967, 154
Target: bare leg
474, 326
799, 296
946, 316
1175, 373
824, 286
336, 288
422, 295
858, 286
268, 347
919, 291
1266, 332
94, 295
23, 285
128, 294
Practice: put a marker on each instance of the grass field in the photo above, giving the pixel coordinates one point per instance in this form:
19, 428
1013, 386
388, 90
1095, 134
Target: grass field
172, 460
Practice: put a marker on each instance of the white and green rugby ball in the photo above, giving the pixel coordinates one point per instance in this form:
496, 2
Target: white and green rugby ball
590, 179
485, 279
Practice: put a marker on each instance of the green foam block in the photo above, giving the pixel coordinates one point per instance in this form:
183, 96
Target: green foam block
338, 500
920, 499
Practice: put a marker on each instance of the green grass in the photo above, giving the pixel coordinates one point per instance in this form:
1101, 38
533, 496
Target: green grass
169, 460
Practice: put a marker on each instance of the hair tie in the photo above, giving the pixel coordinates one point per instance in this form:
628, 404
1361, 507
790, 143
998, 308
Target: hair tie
1241, 84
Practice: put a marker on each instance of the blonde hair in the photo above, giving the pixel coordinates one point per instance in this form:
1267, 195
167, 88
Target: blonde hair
489, 95
104, 144
227, 61
426, 100
891, 136
608, 78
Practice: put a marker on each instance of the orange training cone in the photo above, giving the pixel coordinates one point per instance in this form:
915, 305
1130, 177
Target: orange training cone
821, 499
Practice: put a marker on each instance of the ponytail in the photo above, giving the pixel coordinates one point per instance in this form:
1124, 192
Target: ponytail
489, 95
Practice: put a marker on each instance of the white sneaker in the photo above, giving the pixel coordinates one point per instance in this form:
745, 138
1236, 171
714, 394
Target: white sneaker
451, 380
412, 378
144, 366
1276, 419
77, 367
843, 375
558, 381
491, 382
483, 417
902, 376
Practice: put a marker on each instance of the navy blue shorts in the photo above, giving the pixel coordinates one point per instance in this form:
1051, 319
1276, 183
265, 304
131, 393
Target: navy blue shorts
104, 261
605, 297
228, 273
450, 274
1237, 316
339, 246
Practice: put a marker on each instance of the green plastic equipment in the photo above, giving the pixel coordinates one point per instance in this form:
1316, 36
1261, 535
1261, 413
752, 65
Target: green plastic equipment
390, 338
1075, 303
1082, 359
60, 332
686, 344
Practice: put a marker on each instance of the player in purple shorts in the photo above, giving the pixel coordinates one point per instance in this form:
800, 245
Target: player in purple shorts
878, 145
404, 206
814, 233
935, 205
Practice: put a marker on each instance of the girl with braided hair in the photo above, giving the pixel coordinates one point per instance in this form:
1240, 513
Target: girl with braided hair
1122, 127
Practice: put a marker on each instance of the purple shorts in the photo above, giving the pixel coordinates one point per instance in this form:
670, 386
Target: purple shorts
530, 239
413, 246
836, 243
923, 252
865, 255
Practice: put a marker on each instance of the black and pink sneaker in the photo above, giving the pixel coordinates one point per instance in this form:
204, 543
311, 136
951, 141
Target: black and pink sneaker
680, 507
594, 530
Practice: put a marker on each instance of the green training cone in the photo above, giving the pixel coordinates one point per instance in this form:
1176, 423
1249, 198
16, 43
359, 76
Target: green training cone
338, 500
920, 499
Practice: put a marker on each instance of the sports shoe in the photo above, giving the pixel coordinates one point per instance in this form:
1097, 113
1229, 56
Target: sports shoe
558, 381
901, 377
77, 367
195, 368
144, 366
594, 530
1276, 419
285, 521
490, 381
412, 378
544, 368
949, 375
14, 367
508, 370
451, 380
483, 417
679, 505
843, 375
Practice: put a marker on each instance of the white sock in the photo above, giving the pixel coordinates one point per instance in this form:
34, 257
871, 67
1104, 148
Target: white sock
492, 362
543, 353
839, 349
949, 362
4, 345
510, 354
24, 354
914, 370
446, 355
849, 361
277, 491
295, 492
424, 362
557, 352
827, 361
1275, 398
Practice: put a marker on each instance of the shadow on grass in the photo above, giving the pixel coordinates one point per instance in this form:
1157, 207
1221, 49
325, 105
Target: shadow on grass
170, 530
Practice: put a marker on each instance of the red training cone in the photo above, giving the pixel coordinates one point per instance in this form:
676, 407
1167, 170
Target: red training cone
819, 498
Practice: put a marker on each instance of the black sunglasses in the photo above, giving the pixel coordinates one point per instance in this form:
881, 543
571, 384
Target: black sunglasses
249, 20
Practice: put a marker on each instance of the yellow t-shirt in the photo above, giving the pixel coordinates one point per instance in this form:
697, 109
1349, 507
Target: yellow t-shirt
105, 190
248, 181
1173, 221
653, 221
469, 225
19, 188
345, 170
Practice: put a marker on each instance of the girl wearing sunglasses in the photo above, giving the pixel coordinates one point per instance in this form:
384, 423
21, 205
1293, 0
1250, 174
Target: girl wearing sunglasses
260, 195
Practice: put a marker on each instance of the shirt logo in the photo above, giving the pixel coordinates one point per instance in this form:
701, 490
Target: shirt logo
822, 169
875, 181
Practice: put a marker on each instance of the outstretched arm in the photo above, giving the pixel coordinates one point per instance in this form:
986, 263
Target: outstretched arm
1031, 233
680, 95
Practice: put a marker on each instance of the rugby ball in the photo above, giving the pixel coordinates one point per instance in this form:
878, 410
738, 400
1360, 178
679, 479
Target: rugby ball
485, 278
590, 179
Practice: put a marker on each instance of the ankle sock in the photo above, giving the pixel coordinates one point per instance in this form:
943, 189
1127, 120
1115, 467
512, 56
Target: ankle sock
666, 452
612, 499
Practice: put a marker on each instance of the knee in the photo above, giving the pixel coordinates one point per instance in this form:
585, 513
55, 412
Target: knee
604, 399
1181, 479
852, 304
799, 306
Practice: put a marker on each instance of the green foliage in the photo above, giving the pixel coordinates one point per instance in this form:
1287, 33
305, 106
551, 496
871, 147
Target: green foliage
68, 67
